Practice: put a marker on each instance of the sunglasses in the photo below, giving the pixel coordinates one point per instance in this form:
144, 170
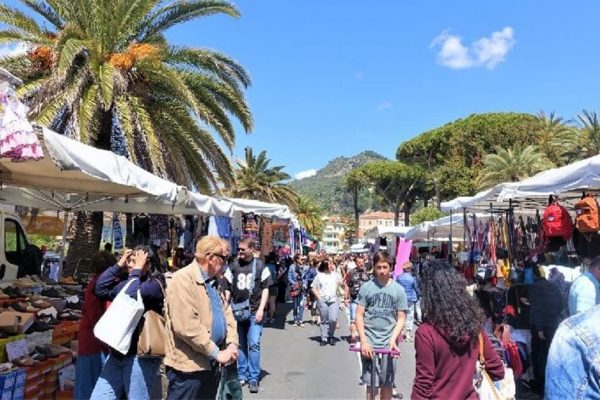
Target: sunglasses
221, 256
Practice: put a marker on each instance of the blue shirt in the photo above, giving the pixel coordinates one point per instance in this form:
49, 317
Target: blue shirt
410, 285
573, 368
584, 293
219, 327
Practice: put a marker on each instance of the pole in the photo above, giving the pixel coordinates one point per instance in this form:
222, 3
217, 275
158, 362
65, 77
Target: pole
64, 242
450, 238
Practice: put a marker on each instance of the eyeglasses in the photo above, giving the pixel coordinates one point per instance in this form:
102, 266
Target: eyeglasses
221, 256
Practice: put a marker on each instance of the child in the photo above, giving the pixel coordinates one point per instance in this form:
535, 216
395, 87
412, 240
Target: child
380, 317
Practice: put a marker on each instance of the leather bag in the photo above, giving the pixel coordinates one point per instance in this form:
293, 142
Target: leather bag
153, 334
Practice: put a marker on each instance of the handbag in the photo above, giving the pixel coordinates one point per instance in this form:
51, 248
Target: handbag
485, 388
229, 385
153, 334
241, 311
117, 324
295, 290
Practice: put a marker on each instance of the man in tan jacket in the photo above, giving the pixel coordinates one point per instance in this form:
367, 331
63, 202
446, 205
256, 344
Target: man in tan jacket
201, 330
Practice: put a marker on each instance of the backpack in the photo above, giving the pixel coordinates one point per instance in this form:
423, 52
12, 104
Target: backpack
557, 222
587, 220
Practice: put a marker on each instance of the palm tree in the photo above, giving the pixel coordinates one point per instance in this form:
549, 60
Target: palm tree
255, 179
309, 215
554, 133
511, 165
103, 72
588, 140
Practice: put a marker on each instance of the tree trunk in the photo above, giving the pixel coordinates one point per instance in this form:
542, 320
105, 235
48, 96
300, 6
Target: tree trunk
355, 204
396, 214
88, 226
407, 207
85, 242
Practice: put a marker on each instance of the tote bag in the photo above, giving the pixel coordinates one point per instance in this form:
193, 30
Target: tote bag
153, 335
118, 323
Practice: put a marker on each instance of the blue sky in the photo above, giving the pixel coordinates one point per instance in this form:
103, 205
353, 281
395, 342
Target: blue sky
333, 78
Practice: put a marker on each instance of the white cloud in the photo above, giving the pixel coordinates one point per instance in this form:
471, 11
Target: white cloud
484, 52
384, 105
13, 50
305, 174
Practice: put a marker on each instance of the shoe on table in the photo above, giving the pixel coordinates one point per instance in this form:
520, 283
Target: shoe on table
253, 386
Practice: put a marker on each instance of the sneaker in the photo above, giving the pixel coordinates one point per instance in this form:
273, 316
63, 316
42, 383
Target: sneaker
397, 395
242, 382
323, 342
332, 341
253, 387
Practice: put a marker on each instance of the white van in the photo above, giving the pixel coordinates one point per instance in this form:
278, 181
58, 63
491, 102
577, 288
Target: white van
13, 245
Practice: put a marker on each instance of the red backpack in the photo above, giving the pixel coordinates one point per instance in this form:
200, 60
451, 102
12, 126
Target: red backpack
557, 222
587, 220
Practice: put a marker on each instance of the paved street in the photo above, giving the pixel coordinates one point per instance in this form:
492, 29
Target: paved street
296, 367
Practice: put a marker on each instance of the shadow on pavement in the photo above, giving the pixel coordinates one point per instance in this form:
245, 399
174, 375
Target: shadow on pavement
281, 313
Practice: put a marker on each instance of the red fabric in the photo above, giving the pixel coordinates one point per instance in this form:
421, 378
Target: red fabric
92, 310
445, 370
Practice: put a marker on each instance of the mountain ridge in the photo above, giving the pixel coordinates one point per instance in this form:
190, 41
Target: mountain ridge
327, 188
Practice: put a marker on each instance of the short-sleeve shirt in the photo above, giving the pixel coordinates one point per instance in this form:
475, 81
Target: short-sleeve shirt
327, 285
238, 278
381, 304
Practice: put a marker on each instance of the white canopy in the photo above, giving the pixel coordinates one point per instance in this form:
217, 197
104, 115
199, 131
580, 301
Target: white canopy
75, 176
261, 208
388, 230
568, 182
441, 228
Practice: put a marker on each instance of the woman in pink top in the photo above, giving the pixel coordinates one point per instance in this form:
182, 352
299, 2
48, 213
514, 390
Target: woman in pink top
447, 342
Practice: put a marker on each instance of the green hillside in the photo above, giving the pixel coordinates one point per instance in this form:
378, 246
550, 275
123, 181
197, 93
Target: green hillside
327, 189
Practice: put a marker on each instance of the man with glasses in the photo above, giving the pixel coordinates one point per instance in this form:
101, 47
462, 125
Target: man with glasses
247, 283
201, 331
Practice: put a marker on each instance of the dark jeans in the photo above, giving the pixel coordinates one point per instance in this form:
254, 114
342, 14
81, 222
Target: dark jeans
539, 355
192, 385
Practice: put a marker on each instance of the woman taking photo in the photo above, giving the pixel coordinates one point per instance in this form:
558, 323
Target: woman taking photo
325, 289
129, 374
447, 343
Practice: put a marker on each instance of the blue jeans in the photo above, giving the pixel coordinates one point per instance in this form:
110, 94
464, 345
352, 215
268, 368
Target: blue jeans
87, 372
249, 333
299, 308
352, 308
131, 375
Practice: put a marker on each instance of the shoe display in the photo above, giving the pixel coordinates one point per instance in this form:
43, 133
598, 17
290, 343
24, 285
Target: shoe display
4, 295
253, 387
38, 326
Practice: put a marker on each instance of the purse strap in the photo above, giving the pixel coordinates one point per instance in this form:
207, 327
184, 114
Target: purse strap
481, 354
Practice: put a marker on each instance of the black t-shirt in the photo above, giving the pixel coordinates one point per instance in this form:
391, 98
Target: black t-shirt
238, 277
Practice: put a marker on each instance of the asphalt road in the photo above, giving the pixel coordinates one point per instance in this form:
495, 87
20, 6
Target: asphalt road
296, 367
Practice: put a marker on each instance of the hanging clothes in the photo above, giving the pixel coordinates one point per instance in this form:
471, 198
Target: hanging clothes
212, 226
18, 140
158, 229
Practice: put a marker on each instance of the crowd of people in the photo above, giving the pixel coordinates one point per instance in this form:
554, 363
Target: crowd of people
215, 308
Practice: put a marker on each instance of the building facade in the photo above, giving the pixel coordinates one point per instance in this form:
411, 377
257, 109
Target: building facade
374, 219
333, 235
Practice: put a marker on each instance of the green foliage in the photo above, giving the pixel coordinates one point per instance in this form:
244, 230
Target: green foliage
511, 165
310, 216
328, 187
452, 155
425, 214
399, 184
255, 179
97, 68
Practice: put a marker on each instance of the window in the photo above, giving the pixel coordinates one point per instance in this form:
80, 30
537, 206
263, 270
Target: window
14, 241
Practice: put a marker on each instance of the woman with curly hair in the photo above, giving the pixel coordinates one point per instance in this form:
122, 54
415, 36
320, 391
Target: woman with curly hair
447, 343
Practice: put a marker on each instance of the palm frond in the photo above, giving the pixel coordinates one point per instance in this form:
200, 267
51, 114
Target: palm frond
17, 19
88, 106
43, 9
182, 11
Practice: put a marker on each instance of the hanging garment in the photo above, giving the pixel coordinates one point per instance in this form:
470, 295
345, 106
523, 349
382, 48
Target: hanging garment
158, 231
237, 224
18, 140
224, 227
212, 226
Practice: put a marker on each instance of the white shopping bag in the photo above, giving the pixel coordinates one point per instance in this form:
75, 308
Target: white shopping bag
120, 320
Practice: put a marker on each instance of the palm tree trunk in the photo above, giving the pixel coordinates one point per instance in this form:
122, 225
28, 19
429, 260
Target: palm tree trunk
88, 226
